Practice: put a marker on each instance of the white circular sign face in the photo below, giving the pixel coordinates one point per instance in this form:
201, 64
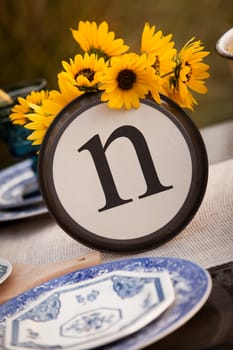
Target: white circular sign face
114, 176
106, 162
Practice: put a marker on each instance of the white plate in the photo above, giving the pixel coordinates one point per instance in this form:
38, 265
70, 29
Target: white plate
192, 286
5, 270
91, 313
14, 181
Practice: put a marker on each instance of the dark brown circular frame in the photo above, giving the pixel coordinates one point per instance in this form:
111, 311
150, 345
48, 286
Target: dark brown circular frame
194, 198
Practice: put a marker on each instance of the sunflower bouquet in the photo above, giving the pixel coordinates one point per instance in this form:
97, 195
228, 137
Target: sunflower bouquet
123, 77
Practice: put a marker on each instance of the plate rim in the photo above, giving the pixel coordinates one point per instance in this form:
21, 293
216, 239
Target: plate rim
9, 269
22, 213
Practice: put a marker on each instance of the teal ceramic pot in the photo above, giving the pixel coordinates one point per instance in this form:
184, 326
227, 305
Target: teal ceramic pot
15, 136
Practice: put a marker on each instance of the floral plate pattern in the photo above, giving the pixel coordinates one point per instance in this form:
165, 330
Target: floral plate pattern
192, 286
13, 181
5, 269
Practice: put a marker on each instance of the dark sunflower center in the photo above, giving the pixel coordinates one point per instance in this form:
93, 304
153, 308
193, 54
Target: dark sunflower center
156, 65
87, 72
189, 75
126, 78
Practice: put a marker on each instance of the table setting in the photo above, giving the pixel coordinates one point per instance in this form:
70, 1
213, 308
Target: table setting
91, 258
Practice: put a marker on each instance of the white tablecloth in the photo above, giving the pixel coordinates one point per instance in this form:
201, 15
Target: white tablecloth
207, 240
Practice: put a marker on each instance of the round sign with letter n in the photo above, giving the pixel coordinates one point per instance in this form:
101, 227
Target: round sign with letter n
122, 180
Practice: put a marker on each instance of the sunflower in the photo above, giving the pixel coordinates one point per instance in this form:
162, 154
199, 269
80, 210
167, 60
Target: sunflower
189, 74
38, 123
98, 40
20, 111
60, 98
81, 72
128, 78
159, 48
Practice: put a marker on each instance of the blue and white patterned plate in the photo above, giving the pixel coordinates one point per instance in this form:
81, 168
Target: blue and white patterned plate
5, 270
92, 313
14, 182
192, 286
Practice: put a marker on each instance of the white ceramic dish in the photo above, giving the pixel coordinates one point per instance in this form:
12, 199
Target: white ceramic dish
224, 45
192, 286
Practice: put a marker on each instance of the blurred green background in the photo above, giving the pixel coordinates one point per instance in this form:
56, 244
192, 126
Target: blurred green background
35, 37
